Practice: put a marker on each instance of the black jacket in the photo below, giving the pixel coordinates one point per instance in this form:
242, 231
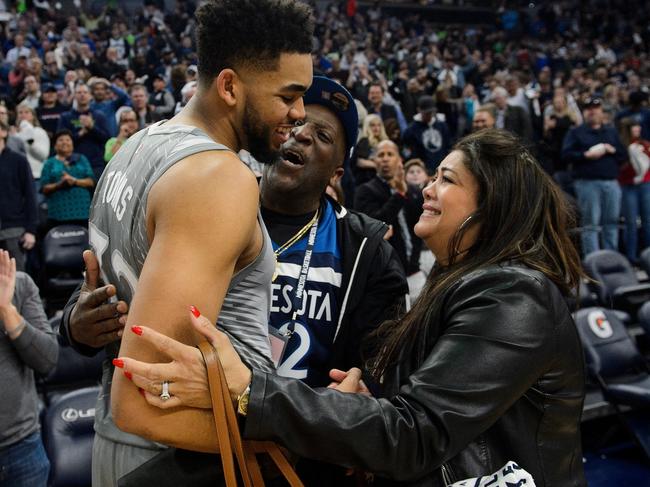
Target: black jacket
502, 379
376, 200
17, 194
373, 286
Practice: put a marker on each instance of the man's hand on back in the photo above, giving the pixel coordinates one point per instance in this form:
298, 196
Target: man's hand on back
94, 321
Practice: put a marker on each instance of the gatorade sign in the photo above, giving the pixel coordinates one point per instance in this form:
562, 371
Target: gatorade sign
599, 324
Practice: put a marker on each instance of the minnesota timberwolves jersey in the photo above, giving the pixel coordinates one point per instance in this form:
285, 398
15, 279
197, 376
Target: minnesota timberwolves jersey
118, 236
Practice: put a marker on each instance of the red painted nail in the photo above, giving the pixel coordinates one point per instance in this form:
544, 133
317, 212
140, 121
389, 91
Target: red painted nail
118, 362
137, 330
141, 391
128, 375
195, 311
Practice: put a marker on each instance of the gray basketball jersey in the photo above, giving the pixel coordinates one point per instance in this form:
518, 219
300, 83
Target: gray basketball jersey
119, 238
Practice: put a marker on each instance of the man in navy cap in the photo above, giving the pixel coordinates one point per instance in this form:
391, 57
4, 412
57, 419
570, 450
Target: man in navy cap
354, 278
49, 109
596, 152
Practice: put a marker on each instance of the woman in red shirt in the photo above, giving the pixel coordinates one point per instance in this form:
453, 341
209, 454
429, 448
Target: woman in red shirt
634, 178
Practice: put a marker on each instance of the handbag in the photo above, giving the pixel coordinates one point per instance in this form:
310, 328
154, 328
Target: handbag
175, 466
229, 437
509, 475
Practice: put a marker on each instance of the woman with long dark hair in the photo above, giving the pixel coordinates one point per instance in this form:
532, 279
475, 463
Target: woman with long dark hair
485, 368
634, 178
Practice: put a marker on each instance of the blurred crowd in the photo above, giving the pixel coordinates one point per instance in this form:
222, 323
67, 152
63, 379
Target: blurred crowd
78, 79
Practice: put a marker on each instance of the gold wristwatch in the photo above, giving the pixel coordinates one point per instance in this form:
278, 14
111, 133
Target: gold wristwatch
242, 401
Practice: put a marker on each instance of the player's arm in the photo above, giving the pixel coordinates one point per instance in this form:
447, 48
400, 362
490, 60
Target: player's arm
202, 216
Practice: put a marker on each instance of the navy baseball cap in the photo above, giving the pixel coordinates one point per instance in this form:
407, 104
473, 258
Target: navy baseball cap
330, 94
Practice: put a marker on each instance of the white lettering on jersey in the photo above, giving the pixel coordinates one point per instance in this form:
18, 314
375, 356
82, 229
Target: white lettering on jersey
116, 193
314, 303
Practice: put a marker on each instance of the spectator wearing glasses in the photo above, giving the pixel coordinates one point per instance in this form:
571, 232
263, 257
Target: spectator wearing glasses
52, 72
128, 125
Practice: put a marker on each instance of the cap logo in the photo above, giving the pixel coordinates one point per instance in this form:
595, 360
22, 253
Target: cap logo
340, 101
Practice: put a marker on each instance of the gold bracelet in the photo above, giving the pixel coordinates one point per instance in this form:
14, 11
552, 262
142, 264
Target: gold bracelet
242, 401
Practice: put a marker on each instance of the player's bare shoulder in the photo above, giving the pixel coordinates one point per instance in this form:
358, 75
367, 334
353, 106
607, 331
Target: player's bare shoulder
212, 177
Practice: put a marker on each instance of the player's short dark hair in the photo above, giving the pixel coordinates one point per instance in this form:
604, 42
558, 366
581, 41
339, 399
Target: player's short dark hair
233, 33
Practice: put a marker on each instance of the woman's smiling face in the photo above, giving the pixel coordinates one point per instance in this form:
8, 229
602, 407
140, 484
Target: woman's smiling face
449, 200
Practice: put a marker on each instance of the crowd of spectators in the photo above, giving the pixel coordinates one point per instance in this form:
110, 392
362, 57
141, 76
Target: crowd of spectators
102, 70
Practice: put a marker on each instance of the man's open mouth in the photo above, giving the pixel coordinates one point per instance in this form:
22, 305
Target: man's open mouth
293, 157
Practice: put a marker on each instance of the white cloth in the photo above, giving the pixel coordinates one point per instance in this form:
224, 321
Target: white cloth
639, 160
510, 474
39, 148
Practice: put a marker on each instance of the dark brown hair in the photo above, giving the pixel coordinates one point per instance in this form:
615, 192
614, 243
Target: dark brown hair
523, 217
625, 129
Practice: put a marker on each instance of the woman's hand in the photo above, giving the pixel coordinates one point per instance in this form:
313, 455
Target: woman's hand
186, 373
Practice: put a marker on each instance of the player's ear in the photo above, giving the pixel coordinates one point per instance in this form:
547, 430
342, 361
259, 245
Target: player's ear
229, 86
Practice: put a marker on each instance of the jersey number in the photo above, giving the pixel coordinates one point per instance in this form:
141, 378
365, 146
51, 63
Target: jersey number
286, 368
121, 269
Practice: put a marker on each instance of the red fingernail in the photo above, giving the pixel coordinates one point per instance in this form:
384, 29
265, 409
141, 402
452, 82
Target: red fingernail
195, 311
128, 375
137, 330
117, 362
141, 391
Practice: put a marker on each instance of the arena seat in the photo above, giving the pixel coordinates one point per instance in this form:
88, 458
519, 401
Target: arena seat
63, 263
614, 361
644, 318
644, 260
617, 284
68, 437
583, 298
72, 371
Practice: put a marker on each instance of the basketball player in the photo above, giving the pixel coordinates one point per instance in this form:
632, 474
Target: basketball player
176, 217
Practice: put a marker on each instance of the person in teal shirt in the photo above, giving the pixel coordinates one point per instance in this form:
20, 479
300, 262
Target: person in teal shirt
66, 181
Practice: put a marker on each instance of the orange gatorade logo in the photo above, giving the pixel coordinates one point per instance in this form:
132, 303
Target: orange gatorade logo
599, 324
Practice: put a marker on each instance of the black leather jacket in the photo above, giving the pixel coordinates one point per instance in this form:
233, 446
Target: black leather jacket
503, 380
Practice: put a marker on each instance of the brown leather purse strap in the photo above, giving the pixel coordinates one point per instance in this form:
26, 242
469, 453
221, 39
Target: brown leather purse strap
273, 450
229, 436
235, 434
213, 366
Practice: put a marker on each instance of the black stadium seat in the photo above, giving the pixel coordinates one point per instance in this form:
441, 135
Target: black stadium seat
621, 371
644, 260
617, 285
68, 437
73, 371
63, 263
644, 318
